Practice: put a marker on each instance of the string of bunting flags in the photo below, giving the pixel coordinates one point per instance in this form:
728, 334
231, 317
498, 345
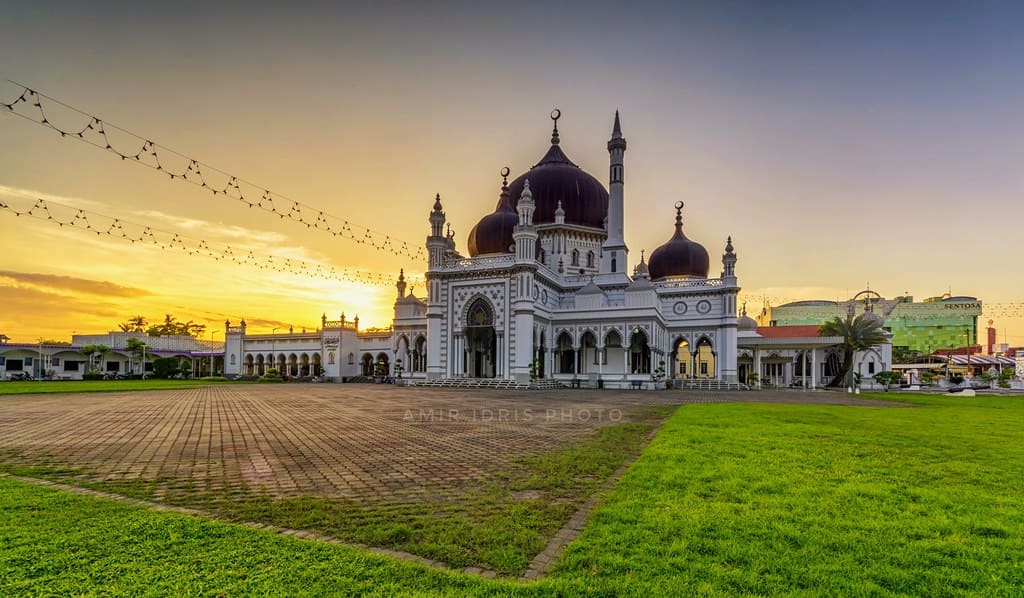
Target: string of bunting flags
118, 228
39, 108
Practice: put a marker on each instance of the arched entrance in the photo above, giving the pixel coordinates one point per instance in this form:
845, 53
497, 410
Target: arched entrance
566, 354
383, 367
541, 351
481, 340
588, 356
704, 359
367, 363
682, 360
639, 353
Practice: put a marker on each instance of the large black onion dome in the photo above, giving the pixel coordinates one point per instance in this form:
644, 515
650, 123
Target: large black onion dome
493, 234
679, 256
556, 178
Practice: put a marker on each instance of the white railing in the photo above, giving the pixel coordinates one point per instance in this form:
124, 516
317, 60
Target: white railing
476, 263
690, 283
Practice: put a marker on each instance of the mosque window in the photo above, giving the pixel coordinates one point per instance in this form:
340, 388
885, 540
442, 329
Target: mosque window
575, 257
590, 259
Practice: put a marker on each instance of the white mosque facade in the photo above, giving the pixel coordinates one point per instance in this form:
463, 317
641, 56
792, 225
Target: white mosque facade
544, 292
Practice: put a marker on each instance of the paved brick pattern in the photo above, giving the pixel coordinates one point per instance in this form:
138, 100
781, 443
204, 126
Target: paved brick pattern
359, 441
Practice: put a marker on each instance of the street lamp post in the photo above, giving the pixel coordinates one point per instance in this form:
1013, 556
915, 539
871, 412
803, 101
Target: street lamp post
41, 364
211, 357
273, 348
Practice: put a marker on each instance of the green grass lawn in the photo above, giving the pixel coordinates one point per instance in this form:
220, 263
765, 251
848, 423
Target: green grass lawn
729, 499
22, 387
739, 499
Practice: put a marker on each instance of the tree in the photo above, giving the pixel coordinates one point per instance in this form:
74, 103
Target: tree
171, 325
905, 355
886, 378
92, 350
166, 367
137, 348
858, 333
134, 324
55, 343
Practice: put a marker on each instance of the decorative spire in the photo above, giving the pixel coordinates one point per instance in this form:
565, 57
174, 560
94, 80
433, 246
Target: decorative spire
642, 256
555, 115
679, 220
504, 177
744, 309
559, 211
526, 190
401, 283
437, 203
728, 244
617, 128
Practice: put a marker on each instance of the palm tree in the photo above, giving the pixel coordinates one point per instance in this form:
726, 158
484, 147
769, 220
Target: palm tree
92, 350
137, 348
859, 333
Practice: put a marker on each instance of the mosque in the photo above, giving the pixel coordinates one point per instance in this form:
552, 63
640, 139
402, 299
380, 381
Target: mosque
545, 295
545, 292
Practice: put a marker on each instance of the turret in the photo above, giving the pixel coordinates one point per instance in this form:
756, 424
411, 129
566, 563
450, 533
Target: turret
525, 234
436, 242
401, 283
614, 251
728, 260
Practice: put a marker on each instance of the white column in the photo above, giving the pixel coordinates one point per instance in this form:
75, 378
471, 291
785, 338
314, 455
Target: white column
757, 365
814, 368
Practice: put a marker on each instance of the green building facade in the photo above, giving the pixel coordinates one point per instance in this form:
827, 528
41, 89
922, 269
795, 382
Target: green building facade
935, 324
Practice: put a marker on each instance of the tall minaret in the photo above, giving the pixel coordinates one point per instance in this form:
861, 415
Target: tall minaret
614, 251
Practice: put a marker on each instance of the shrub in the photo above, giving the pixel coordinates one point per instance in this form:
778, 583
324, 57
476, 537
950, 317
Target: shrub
94, 375
272, 376
165, 367
214, 379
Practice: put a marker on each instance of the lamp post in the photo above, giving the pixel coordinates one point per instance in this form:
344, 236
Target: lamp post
273, 348
213, 340
41, 364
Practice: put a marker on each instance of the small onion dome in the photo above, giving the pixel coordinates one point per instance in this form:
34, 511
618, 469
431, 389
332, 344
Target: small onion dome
493, 234
745, 323
871, 316
679, 256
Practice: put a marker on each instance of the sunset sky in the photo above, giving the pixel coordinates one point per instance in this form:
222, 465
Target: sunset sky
875, 143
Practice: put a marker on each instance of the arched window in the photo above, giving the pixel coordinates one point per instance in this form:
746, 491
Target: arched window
351, 358
575, 257
480, 314
590, 259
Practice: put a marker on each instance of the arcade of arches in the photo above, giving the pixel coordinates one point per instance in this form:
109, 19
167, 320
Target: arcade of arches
295, 365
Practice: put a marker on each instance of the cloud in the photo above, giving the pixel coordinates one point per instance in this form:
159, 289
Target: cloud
32, 194
70, 283
231, 231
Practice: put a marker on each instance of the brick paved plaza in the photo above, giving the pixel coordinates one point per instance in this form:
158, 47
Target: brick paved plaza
358, 441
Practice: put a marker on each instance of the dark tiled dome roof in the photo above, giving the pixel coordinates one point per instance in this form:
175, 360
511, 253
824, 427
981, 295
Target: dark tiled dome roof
679, 256
493, 234
557, 179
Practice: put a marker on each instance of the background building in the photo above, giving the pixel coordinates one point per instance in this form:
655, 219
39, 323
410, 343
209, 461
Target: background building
936, 324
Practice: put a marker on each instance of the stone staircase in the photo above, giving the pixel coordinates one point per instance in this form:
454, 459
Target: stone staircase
707, 384
501, 383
